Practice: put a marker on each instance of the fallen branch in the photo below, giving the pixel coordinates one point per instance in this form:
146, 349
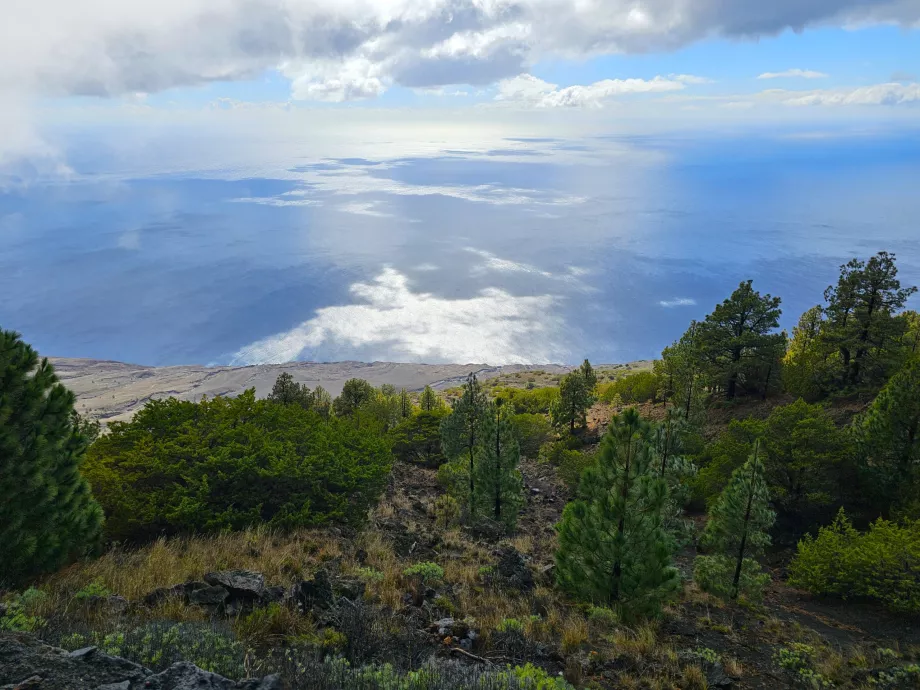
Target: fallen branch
480, 659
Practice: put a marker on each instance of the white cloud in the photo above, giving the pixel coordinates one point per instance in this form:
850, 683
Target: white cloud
130, 240
794, 73
529, 90
391, 322
341, 49
690, 79
878, 94
275, 201
677, 302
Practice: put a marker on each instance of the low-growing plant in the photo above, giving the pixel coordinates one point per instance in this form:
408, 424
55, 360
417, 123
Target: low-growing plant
422, 575
447, 511
882, 563
94, 589
22, 611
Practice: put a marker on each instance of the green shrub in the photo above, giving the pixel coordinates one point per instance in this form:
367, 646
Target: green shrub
92, 590
531, 432
798, 658
569, 463
159, 644
714, 574
22, 612
881, 564
426, 572
446, 511
530, 401
228, 463
639, 387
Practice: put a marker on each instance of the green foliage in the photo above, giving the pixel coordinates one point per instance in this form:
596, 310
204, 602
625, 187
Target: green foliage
287, 391
461, 436
498, 479
228, 463
888, 442
861, 322
531, 432
425, 572
429, 401
798, 659
576, 395
417, 439
355, 394
637, 387
612, 548
738, 529
446, 511
570, 463
94, 589
715, 574
22, 611
881, 564
529, 401
722, 457
681, 374
809, 364
159, 644
804, 453
737, 339
47, 514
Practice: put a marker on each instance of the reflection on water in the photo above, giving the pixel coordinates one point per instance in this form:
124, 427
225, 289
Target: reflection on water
540, 250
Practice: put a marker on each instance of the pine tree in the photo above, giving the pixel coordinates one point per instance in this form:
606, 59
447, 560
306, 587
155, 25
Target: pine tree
429, 400
355, 393
287, 391
736, 335
675, 470
680, 369
576, 395
47, 513
861, 317
613, 549
888, 441
322, 402
809, 358
461, 435
738, 531
497, 476
405, 404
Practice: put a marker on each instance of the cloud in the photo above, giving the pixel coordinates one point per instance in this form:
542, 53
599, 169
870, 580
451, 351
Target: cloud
530, 90
677, 302
391, 322
878, 94
690, 79
364, 208
336, 50
794, 73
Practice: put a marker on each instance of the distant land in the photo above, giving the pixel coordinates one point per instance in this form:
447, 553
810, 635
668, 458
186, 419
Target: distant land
113, 391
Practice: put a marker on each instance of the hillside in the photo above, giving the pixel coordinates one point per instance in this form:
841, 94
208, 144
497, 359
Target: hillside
110, 391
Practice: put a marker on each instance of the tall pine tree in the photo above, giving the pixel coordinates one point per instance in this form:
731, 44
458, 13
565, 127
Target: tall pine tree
888, 442
613, 549
737, 337
461, 436
576, 395
47, 513
500, 485
861, 319
738, 531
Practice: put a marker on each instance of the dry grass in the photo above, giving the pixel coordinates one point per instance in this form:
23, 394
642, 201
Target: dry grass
574, 633
282, 558
693, 678
733, 667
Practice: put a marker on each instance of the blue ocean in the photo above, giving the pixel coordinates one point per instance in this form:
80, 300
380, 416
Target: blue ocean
534, 250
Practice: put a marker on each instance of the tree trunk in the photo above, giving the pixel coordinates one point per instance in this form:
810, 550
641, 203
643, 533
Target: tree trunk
621, 526
733, 377
747, 516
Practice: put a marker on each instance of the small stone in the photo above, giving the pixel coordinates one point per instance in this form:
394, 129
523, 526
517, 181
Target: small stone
209, 596
82, 653
123, 685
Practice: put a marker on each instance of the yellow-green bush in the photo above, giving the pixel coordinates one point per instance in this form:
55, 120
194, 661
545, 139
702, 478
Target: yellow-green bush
639, 387
882, 563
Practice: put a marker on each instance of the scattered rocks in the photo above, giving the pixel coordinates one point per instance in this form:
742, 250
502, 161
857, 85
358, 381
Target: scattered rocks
208, 596
241, 584
315, 593
27, 664
512, 568
181, 592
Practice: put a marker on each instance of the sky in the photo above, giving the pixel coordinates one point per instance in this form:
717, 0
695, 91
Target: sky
241, 181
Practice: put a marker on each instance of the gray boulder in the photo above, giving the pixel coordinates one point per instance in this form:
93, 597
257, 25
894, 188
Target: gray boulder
241, 584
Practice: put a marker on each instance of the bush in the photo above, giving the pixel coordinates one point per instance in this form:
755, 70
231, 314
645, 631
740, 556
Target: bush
881, 564
531, 401
570, 463
228, 463
22, 612
531, 432
159, 644
642, 386
446, 511
714, 574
